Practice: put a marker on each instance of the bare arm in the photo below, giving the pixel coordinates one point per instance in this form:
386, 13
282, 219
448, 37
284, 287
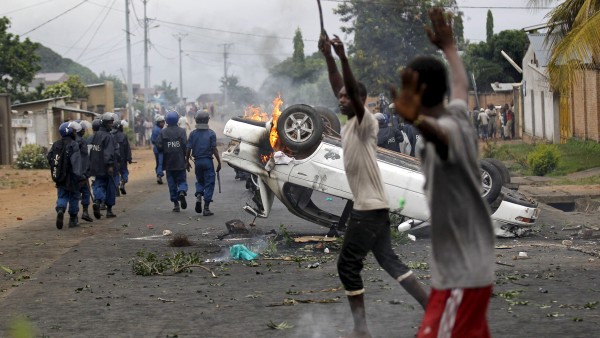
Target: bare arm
442, 37
335, 79
349, 81
216, 154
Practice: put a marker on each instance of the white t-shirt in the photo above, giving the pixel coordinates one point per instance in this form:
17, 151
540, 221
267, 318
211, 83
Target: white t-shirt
462, 237
359, 145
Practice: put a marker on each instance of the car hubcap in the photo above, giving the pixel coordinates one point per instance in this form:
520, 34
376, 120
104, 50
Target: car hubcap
486, 182
298, 127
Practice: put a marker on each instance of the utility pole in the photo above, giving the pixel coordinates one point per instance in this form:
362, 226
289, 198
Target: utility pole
131, 109
179, 37
146, 71
225, 55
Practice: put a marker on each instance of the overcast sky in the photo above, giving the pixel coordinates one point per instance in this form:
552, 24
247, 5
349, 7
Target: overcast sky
259, 33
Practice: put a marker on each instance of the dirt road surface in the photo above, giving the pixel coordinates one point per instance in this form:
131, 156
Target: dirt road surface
79, 282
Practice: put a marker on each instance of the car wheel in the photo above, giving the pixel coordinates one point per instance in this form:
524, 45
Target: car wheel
300, 127
331, 123
491, 180
501, 168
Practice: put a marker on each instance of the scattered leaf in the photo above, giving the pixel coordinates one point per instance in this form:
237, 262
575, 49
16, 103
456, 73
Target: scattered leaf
280, 326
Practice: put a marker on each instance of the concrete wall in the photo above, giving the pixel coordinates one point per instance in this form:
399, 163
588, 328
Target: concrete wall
101, 97
540, 104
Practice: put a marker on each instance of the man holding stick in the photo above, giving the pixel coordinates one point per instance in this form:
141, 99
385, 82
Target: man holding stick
462, 239
369, 225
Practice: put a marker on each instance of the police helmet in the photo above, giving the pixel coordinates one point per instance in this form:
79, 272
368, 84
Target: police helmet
64, 129
158, 118
107, 118
124, 124
172, 117
116, 122
202, 118
96, 123
75, 126
85, 124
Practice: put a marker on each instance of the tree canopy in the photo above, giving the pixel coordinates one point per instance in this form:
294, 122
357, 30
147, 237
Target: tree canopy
51, 62
387, 35
487, 63
573, 35
241, 96
18, 61
169, 93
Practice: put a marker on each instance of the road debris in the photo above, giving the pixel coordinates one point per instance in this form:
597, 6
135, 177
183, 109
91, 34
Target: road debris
306, 239
280, 326
292, 301
240, 251
236, 226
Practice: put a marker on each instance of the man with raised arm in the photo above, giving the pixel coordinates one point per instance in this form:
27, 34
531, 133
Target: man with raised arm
369, 225
462, 239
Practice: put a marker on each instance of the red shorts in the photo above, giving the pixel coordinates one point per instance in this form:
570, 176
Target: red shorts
456, 313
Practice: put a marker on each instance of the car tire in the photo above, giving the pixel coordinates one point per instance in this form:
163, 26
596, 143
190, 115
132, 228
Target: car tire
501, 168
491, 180
300, 128
331, 123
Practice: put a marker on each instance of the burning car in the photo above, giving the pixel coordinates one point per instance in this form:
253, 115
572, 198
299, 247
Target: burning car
298, 151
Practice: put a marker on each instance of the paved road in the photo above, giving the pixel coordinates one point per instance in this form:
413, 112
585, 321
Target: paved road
79, 282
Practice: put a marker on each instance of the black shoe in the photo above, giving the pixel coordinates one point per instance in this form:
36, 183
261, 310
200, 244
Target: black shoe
109, 214
86, 216
182, 200
118, 193
159, 179
175, 207
60, 215
96, 208
207, 211
122, 188
73, 221
198, 204
102, 206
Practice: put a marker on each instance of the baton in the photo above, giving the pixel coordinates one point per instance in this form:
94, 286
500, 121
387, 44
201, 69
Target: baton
219, 181
323, 32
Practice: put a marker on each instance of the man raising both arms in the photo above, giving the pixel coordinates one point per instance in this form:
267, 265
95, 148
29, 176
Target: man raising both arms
462, 239
369, 224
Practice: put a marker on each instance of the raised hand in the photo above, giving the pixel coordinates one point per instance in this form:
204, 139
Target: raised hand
325, 45
338, 46
440, 34
408, 102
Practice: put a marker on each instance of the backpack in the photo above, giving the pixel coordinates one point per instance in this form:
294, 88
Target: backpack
58, 159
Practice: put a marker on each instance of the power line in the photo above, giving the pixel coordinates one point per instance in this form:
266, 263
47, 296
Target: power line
95, 32
20, 9
86, 31
389, 4
56, 17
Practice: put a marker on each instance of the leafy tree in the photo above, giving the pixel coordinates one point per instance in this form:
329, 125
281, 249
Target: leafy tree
57, 90
169, 93
118, 88
18, 62
489, 27
241, 96
573, 35
298, 55
299, 69
77, 87
487, 63
387, 35
459, 31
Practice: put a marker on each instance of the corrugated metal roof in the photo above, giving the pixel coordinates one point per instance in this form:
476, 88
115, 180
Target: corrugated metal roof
503, 87
542, 52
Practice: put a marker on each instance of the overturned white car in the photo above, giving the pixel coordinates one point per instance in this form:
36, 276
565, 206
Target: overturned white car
312, 160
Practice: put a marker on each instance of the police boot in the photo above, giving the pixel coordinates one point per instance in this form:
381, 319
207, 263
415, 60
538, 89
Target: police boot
159, 179
85, 216
207, 211
175, 206
60, 215
109, 213
73, 221
118, 192
182, 200
198, 204
96, 208
122, 188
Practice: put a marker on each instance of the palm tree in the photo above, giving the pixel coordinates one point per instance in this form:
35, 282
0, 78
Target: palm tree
574, 39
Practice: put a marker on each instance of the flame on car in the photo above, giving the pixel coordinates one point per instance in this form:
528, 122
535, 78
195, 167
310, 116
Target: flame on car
273, 137
255, 113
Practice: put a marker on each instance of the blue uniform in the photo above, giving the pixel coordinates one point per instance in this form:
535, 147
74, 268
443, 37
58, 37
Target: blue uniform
202, 143
102, 156
171, 144
68, 190
158, 157
85, 170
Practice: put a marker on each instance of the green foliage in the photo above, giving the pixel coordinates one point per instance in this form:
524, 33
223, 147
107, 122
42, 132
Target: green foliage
32, 156
485, 61
77, 87
298, 55
241, 96
544, 159
489, 27
57, 90
51, 62
148, 263
18, 61
491, 150
387, 35
169, 93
